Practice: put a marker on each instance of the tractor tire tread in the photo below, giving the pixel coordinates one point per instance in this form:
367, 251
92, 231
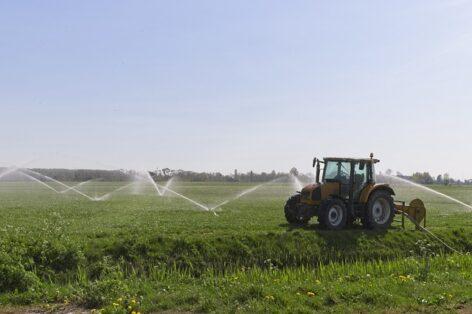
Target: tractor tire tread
368, 222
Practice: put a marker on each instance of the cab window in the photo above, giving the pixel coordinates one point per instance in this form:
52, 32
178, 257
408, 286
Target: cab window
337, 171
360, 172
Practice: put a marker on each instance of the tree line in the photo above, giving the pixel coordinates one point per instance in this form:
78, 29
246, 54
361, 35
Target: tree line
81, 175
74, 175
249, 176
427, 178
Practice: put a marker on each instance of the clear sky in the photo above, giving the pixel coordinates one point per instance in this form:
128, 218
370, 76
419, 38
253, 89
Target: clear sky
218, 85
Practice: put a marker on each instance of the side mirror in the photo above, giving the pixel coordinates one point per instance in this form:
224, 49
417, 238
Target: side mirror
314, 161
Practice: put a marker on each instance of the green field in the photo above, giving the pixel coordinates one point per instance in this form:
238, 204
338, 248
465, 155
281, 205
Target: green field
156, 253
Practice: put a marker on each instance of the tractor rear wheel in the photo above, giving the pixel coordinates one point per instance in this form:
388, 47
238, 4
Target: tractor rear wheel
380, 211
333, 214
291, 210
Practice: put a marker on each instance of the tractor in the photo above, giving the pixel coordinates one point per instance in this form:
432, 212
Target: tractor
345, 191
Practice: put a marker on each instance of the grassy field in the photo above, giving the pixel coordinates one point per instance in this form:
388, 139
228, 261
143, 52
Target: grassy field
137, 251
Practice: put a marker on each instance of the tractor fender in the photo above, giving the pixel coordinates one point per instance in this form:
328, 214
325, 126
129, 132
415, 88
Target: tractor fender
371, 188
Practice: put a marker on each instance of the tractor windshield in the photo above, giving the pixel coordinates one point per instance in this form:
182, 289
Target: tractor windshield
337, 171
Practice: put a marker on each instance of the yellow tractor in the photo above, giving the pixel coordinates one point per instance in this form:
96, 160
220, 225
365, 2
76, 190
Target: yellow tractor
345, 191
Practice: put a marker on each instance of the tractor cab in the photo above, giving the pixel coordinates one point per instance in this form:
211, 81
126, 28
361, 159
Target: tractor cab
352, 175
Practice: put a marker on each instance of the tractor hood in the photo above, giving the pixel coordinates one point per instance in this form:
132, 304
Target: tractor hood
311, 192
310, 187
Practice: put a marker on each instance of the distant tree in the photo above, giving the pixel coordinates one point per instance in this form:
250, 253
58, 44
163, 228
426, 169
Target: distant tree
446, 179
294, 171
439, 179
423, 178
389, 172
166, 172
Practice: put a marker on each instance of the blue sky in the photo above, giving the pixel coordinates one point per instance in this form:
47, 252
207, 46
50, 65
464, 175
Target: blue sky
218, 85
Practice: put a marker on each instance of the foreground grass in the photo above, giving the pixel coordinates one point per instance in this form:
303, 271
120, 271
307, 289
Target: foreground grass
356, 269
436, 284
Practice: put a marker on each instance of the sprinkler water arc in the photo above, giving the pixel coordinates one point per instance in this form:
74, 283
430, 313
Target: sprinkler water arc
183, 196
8, 171
107, 195
76, 186
469, 207
58, 182
39, 181
241, 194
154, 184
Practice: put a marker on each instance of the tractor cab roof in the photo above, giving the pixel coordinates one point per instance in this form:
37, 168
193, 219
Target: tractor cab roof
342, 159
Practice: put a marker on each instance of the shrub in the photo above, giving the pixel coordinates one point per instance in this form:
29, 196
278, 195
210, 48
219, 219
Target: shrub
103, 292
13, 276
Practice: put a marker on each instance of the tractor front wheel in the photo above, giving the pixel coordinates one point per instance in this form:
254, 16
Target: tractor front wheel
380, 211
291, 210
333, 214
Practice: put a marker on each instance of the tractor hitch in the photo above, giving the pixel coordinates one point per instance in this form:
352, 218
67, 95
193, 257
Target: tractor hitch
416, 212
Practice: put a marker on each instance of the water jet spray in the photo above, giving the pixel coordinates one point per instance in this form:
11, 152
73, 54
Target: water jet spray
469, 207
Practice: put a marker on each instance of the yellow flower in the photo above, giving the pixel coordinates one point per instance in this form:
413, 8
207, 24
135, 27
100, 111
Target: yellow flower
134, 312
133, 301
405, 278
115, 304
310, 294
318, 282
269, 297
120, 299
129, 307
